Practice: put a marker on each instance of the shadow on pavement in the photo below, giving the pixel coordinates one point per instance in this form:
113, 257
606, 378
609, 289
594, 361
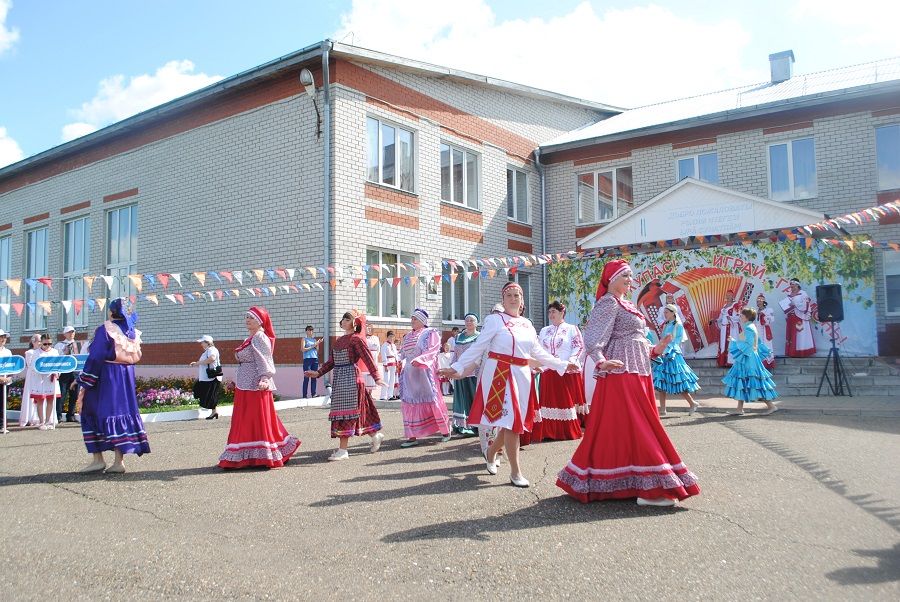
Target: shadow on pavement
451, 484
52, 478
888, 568
547, 512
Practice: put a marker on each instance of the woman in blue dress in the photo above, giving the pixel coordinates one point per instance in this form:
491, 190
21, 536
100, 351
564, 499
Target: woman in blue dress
107, 402
748, 379
672, 374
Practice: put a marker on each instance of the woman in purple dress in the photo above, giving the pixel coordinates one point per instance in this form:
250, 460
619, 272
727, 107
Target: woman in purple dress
110, 419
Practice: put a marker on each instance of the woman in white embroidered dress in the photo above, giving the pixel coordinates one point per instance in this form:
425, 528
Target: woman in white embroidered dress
503, 394
28, 415
766, 318
561, 396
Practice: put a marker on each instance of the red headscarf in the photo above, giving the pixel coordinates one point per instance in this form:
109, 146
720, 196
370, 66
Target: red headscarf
610, 271
262, 316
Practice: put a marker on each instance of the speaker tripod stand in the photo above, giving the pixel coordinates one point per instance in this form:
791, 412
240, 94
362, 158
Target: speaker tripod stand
838, 380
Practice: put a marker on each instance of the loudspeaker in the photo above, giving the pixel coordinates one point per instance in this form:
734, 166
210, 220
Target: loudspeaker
831, 302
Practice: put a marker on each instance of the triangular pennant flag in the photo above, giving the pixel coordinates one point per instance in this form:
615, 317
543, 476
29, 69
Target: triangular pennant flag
220, 294
15, 284
373, 282
89, 282
48, 282
322, 271
259, 275
190, 297
294, 288
290, 273
261, 291
4, 307
18, 307
32, 283
394, 281
171, 298
305, 286
239, 276
46, 307
164, 280
492, 273
133, 299
436, 278
92, 305
281, 273
152, 299
178, 296
67, 306
454, 276
236, 292
273, 289
216, 276
285, 288
319, 286
137, 281
333, 283
78, 304
228, 276
109, 283
101, 303
312, 271
176, 278
211, 297
271, 274
250, 292
413, 280
200, 277
151, 280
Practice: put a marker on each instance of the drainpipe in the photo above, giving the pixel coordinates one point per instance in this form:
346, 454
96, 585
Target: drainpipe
542, 178
327, 45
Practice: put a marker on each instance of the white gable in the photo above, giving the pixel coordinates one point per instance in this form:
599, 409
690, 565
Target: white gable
695, 208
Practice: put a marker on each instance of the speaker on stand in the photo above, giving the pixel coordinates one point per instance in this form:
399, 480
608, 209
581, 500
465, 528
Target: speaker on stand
831, 309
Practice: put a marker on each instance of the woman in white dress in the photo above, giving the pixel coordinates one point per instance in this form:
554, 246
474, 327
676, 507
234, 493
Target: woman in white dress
28, 415
44, 388
503, 394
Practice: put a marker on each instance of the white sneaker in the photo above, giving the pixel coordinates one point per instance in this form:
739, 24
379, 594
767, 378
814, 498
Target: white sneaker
659, 501
376, 442
339, 454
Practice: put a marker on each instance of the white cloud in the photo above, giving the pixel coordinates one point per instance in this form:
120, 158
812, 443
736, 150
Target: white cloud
8, 36
862, 24
626, 57
10, 152
117, 98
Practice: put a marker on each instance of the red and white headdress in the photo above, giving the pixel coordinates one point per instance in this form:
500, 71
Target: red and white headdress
611, 271
262, 318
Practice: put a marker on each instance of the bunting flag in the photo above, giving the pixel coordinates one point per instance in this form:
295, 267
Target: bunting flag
259, 275
48, 282
273, 290
318, 285
136, 281
67, 306
228, 276
152, 298
92, 305
151, 280
164, 281
46, 307
290, 273
333, 283
89, 282
18, 307
4, 307
220, 294
305, 286
109, 282
15, 284
178, 296
200, 277
78, 304
171, 298
413, 280
101, 302
271, 275
250, 292
281, 273
176, 278
312, 272
373, 282
239, 276
356, 282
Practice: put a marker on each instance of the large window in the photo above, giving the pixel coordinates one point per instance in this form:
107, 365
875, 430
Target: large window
517, 195
386, 299
792, 170
704, 167
5, 262
390, 155
887, 150
604, 195
35, 267
459, 176
77, 240
461, 295
121, 248
892, 281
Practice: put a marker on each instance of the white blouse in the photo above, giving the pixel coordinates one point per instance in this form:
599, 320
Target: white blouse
563, 342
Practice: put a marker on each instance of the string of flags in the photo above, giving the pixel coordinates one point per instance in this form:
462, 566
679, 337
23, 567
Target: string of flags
265, 282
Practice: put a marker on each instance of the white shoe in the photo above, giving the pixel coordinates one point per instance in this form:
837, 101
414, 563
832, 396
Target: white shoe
693, 409
659, 501
492, 466
519, 481
44, 427
339, 454
376, 442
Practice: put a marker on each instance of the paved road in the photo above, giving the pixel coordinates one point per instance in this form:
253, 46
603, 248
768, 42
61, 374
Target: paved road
793, 507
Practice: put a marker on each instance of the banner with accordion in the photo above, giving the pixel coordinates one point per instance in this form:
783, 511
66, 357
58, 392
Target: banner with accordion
697, 281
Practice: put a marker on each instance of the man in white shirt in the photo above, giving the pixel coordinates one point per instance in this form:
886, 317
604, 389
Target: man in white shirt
67, 386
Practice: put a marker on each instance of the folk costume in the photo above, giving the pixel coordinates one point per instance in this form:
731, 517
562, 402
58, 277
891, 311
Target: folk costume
464, 388
421, 401
766, 318
110, 418
28, 414
353, 411
389, 360
43, 389
729, 323
748, 379
672, 374
561, 396
257, 436
798, 331
625, 452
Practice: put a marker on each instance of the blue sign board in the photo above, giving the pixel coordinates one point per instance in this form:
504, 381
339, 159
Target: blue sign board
81, 359
12, 364
55, 363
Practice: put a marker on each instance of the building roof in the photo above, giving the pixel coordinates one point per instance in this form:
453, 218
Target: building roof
736, 103
295, 59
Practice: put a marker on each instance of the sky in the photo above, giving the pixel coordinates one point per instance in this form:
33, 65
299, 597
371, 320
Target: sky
70, 68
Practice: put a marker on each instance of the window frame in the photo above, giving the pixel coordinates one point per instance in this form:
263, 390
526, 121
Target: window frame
615, 190
75, 277
465, 183
885, 126
40, 292
379, 315
412, 154
696, 161
516, 218
121, 269
467, 282
5, 268
885, 274
789, 143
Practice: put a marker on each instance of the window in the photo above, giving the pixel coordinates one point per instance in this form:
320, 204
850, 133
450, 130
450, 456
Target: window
887, 151
383, 299
5, 261
36, 267
121, 248
390, 155
524, 281
77, 237
703, 167
517, 195
460, 296
604, 195
459, 176
892, 281
792, 170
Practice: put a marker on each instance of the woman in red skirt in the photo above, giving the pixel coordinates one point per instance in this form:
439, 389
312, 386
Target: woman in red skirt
625, 452
257, 437
561, 396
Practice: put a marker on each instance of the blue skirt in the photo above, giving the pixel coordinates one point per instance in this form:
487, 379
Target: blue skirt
110, 419
748, 379
673, 375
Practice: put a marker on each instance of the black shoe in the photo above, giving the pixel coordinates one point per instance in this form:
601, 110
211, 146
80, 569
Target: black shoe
213, 415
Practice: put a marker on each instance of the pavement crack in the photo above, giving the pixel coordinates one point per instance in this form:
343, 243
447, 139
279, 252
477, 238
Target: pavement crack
105, 503
727, 519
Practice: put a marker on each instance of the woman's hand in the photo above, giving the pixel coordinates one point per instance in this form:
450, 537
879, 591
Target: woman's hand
449, 373
379, 383
263, 385
610, 365
79, 400
573, 367
311, 374
193, 364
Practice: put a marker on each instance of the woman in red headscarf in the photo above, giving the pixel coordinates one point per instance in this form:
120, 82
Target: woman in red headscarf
625, 452
257, 436
352, 410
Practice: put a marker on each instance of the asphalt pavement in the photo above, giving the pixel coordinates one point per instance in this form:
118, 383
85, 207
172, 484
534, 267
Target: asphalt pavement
793, 506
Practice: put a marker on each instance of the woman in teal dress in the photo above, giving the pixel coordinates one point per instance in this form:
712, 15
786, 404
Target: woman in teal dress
748, 379
672, 374
464, 388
